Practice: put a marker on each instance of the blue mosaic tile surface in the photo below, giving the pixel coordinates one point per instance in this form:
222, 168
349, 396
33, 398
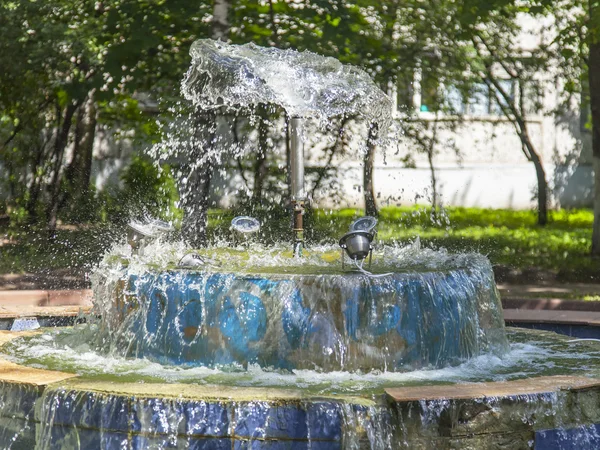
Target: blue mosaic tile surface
196, 318
89, 410
579, 438
114, 421
206, 419
260, 420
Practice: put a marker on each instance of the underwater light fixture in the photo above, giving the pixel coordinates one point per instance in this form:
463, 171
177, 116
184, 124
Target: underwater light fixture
245, 224
191, 260
243, 229
357, 244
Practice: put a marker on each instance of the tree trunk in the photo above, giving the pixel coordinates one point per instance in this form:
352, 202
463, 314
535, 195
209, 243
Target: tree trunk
368, 161
594, 80
34, 187
433, 182
78, 172
430, 153
516, 115
80, 169
542, 186
88, 146
260, 166
71, 170
62, 137
220, 22
196, 201
596, 225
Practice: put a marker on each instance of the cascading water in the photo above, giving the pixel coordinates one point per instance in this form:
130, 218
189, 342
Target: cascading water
308, 315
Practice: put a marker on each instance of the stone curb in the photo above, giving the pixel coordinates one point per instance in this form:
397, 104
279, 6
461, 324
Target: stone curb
550, 304
519, 316
82, 297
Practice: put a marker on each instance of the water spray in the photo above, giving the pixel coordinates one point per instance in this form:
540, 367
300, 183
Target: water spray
139, 233
297, 181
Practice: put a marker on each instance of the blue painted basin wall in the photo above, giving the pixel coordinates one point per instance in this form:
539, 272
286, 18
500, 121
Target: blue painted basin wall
328, 322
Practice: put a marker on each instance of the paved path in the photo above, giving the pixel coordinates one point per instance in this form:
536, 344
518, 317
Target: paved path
81, 297
557, 317
549, 291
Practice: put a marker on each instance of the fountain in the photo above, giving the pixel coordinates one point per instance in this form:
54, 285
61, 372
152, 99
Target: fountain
255, 347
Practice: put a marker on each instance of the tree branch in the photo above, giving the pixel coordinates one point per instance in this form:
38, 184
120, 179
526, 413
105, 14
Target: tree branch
22, 124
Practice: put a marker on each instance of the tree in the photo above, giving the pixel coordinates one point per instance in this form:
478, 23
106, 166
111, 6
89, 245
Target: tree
85, 63
577, 49
594, 83
495, 61
368, 185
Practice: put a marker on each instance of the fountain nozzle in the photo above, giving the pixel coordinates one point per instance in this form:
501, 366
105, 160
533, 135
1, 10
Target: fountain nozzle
140, 233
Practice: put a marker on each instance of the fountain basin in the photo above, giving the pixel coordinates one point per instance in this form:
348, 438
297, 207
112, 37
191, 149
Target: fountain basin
47, 409
351, 321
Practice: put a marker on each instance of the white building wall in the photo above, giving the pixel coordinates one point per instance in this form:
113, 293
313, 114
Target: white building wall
490, 171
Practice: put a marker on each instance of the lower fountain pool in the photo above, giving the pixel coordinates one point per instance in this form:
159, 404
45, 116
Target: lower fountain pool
126, 379
543, 393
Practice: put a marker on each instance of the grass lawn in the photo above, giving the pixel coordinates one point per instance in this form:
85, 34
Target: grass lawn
511, 239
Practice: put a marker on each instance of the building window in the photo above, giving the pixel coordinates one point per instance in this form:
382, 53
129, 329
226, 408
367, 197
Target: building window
405, 91
478, 103
483, 101
532, 101
424, 91
455, 101
497, 101
430, 88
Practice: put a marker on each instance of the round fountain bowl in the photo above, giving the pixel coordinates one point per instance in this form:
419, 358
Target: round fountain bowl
329, 322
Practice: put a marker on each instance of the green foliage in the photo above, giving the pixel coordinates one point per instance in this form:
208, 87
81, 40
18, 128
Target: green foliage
55, 54
58, 52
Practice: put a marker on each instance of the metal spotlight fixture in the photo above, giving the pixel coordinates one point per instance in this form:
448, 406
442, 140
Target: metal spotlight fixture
191, 260
243, 227
357, 243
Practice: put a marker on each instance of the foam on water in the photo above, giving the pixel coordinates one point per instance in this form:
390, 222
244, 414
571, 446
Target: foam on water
423, 307
532, 353
258, 258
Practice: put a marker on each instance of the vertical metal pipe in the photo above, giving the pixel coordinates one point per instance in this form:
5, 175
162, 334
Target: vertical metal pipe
297, 159
297, 181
